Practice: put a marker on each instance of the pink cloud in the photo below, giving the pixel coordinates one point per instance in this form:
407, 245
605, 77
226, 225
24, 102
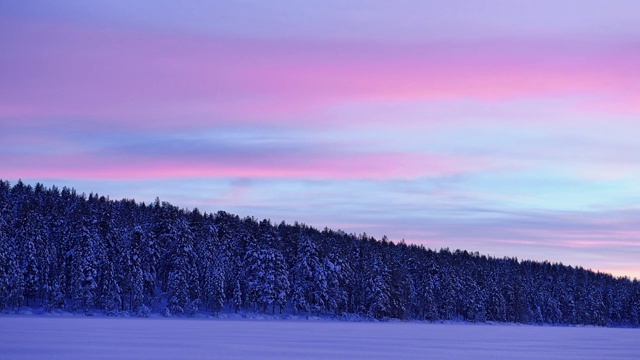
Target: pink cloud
604, 241
52, 70
600, 250
627, 270
372, 166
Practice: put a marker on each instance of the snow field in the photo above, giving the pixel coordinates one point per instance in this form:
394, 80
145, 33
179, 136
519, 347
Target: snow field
41, 337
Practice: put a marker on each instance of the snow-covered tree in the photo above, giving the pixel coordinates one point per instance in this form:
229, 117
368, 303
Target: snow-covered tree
84, 264
182, 284
338, 274
58, 247
310, 287
377, 289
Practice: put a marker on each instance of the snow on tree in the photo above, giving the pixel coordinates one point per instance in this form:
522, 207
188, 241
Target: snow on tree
84, 275
134, 278
62, 249
236, 300
182, 284
377, 289
338, 274
310, 288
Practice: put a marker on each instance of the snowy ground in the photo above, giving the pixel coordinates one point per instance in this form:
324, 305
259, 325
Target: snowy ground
74, 337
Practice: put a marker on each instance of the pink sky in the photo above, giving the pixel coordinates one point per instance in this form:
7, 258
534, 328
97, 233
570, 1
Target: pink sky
479, 130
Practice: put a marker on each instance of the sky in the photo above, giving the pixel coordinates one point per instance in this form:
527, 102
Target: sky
504, 127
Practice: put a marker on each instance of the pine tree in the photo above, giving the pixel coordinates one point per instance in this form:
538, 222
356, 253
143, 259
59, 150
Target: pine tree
84, 269
338, 273
125, 258
236, 300
111, 283
31, 269
257, 276
182, 284
377, 290
281, 285
4, 244
14, 278
212, 260
215, 289
4, 265
135, 277
310, 286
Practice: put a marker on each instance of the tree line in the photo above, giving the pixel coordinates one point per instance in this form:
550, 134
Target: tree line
64, 250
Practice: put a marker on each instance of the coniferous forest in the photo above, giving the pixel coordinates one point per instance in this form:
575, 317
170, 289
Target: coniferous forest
63, 250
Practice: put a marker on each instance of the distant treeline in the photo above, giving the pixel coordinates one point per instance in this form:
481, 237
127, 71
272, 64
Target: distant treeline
63, 250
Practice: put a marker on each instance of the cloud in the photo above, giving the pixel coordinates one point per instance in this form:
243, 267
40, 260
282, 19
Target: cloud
140, 156
57, 70
402, 20
599, 240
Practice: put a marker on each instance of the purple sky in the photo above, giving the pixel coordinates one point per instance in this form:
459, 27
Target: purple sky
504, 127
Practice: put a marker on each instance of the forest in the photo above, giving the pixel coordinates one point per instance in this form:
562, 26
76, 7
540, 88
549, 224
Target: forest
64, 250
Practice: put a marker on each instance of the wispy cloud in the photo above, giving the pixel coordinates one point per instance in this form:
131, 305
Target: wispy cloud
101, 157
100, 72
